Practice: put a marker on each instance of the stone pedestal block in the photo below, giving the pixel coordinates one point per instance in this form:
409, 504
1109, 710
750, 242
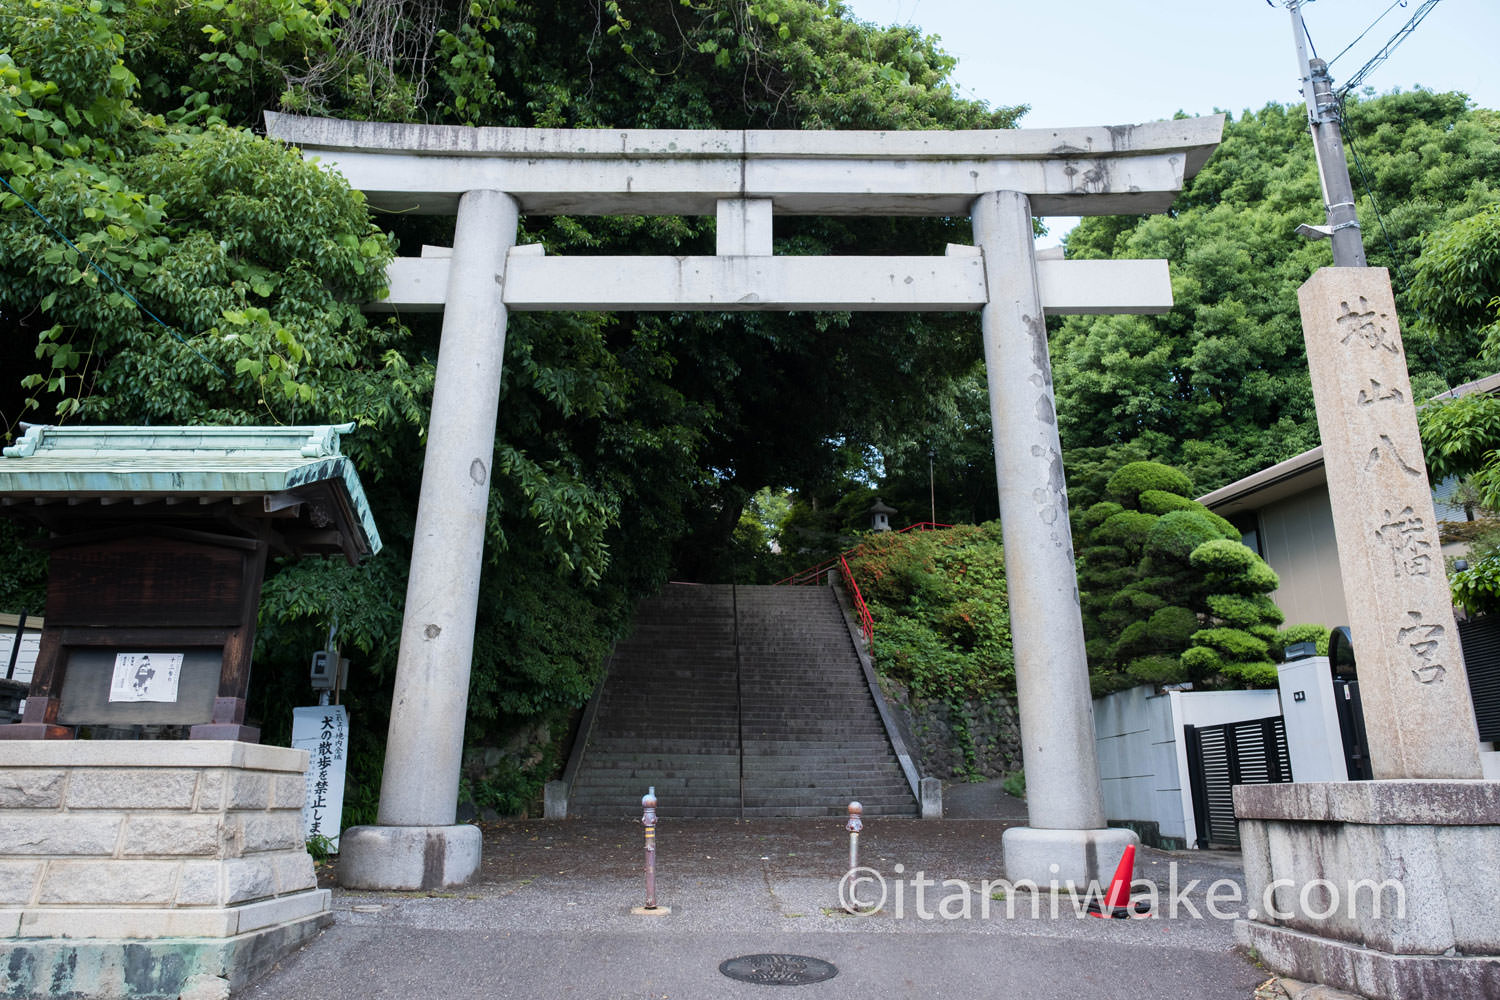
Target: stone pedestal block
408, 857
555, 799
932, 798
1383, 888
130, 868
1064, 856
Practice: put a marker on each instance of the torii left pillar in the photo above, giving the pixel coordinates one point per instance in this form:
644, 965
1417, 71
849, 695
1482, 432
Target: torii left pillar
416, 844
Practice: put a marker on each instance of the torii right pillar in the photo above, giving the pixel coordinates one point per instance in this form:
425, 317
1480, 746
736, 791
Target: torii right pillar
1385, 888
1065, 839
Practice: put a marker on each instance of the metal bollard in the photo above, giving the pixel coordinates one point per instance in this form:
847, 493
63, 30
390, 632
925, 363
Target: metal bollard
648, 820
854, 825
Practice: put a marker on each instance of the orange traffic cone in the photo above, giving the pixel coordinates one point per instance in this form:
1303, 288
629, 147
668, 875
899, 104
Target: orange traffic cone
1117, 900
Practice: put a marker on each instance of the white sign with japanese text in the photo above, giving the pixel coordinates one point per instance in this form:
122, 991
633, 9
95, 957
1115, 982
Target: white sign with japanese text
323, 731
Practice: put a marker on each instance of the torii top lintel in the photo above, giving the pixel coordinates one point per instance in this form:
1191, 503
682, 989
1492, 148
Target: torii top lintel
1113, 170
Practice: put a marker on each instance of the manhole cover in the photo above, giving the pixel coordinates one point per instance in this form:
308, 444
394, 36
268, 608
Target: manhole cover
778, 970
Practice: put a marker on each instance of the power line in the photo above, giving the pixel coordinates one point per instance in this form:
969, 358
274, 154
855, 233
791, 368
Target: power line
1385, 53
1362, 34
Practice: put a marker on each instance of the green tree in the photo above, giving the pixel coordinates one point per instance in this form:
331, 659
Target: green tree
1456, 287
1219, 385
126, 124
1169, 593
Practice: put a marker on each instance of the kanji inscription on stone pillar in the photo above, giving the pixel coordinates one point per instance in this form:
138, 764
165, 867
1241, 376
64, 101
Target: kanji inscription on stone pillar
1418, 712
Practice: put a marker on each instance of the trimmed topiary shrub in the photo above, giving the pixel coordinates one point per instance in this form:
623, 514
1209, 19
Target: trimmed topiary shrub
1160, 502
1175, 535
1255, 674
1245, 610
1130, 481
1201, 662
1300, 633
1155, 669
1233, 643
1222, 556
1169, 592
1125, 529
1134, 637
1173, 626
1098, 514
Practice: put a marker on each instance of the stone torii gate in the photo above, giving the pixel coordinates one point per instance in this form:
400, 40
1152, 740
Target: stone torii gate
1001, 179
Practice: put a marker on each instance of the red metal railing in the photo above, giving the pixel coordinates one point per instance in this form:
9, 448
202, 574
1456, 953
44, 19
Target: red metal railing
816, 575
866, 622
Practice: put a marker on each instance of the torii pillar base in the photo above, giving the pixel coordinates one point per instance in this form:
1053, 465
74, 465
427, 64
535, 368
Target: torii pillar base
1063, 858
408, 857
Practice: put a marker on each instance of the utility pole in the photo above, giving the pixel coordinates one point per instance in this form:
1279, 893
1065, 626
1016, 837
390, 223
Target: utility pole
1333, 170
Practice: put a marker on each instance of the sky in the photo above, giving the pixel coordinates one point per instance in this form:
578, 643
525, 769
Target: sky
1104, 62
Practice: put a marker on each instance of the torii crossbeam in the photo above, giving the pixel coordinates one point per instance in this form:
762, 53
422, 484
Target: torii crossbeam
1000, 178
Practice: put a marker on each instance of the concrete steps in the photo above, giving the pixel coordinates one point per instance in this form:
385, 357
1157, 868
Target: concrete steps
738, 701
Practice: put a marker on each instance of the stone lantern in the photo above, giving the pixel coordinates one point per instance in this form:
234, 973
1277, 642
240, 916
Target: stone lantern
880, 516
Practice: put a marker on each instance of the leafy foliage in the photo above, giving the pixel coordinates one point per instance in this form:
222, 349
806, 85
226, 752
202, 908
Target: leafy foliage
1457, 287
627, 446
1169, 593
1316, 634
942, 619
1218, 387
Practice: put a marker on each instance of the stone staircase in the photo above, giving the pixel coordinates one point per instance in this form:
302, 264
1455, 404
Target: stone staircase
738, 702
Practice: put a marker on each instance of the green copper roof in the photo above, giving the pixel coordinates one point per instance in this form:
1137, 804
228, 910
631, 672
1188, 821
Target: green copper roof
207, 463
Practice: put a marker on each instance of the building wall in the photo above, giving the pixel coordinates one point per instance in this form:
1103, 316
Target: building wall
1297, 541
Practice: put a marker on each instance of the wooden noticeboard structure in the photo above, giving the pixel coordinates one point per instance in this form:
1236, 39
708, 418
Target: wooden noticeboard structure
158, 545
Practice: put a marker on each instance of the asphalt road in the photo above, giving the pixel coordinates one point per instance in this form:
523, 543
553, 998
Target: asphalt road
549, 915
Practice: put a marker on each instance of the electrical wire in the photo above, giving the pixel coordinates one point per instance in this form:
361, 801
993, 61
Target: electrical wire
1362, 34
1305, 33
107, 276
1385, 53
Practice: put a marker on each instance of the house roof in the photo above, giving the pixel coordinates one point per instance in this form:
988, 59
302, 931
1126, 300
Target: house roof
1284, 479
262, 470
1303, 471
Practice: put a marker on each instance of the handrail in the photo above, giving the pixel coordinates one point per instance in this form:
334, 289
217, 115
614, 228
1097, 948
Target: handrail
866, 620
816, 575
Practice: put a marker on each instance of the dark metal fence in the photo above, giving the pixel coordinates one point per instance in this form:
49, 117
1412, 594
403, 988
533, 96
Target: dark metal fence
1220, 757
1480, 638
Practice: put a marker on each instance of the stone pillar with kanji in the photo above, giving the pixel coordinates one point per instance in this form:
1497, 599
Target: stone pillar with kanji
1418, 712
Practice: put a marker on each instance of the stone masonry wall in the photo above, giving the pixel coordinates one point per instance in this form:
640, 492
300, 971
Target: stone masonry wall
935, 734
91, 829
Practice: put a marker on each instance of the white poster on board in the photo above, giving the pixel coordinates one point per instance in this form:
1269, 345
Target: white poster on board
145, 677
323, 731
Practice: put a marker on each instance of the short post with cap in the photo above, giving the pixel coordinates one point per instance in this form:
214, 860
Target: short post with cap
648, 820
854, 825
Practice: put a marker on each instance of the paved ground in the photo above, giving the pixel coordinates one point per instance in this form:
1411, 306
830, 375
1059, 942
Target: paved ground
549, 916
